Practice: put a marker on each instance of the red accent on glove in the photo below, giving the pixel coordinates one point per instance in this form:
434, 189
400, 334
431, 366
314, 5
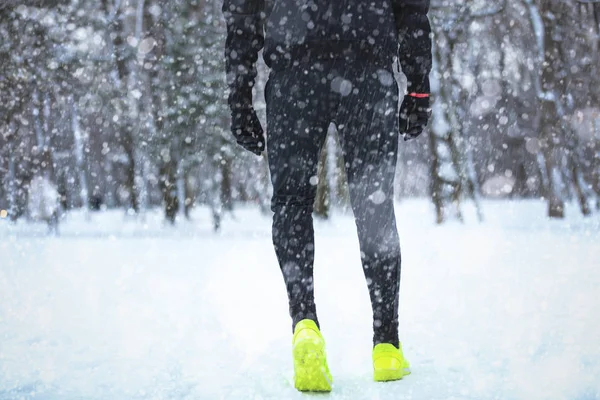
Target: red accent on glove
419, 95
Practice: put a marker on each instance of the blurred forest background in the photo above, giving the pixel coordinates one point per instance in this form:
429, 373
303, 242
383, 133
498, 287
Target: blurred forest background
122, 104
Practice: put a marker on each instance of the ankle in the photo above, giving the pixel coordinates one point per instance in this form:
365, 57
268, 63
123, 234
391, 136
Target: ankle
390, 343
394, 340
311, 318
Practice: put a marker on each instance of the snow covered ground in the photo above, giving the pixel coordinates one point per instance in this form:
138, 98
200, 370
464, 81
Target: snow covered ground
116, 308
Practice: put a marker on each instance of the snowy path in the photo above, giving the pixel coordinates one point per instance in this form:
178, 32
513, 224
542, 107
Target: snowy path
509, 309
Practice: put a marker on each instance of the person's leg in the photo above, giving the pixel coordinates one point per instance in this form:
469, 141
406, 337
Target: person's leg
367, 123
298, 115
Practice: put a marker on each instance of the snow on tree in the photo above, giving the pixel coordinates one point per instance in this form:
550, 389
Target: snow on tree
127, 100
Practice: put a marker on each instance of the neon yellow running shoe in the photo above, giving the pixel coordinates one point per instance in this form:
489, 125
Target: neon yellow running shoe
311, 373
389, 363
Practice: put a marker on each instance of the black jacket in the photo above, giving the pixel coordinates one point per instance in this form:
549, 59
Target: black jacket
303, 31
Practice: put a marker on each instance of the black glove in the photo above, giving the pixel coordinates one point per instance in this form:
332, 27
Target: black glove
247, 130
414, 115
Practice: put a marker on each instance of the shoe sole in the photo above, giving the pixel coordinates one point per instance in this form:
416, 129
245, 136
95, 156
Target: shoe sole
387, 375
311, 373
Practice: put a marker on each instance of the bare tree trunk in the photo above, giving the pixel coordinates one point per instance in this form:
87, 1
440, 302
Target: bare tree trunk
128, 146
135, 93
181, 168
80, 144
12, 178
115, 39
596, 124
551, 149
332, 176
435, 188
321, 205
215, 196
341, 189
168, 187
190, 194
560, 141
226, 183
551, 124
448, 178
110, 182
578, 183
264, 186
43, 153
37, 121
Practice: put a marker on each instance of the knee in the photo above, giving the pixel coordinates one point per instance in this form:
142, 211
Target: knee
386, 250
374, 211
286, 202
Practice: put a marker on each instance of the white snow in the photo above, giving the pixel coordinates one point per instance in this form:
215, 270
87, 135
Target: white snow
117, 308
